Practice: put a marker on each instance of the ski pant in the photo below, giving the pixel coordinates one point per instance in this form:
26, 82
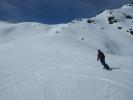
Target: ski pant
104, 64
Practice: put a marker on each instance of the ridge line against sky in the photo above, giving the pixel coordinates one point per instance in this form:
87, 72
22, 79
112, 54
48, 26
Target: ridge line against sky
54, 11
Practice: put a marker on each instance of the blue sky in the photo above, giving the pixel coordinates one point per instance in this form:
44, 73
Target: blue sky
54, 11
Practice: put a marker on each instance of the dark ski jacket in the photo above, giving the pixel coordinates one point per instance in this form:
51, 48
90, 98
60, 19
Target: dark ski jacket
100, 56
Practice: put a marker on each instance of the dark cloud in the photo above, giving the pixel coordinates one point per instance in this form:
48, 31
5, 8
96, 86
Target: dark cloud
53, 11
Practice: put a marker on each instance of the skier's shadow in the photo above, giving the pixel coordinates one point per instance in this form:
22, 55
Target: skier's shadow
113, 68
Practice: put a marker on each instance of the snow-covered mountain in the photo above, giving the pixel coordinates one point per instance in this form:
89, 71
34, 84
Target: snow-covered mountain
58, 62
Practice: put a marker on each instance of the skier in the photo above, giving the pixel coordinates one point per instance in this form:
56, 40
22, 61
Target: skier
101, 56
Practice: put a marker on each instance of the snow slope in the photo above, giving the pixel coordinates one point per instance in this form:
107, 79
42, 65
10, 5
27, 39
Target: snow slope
58, 62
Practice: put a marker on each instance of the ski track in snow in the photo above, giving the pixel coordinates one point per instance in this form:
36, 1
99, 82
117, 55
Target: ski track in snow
107, 80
